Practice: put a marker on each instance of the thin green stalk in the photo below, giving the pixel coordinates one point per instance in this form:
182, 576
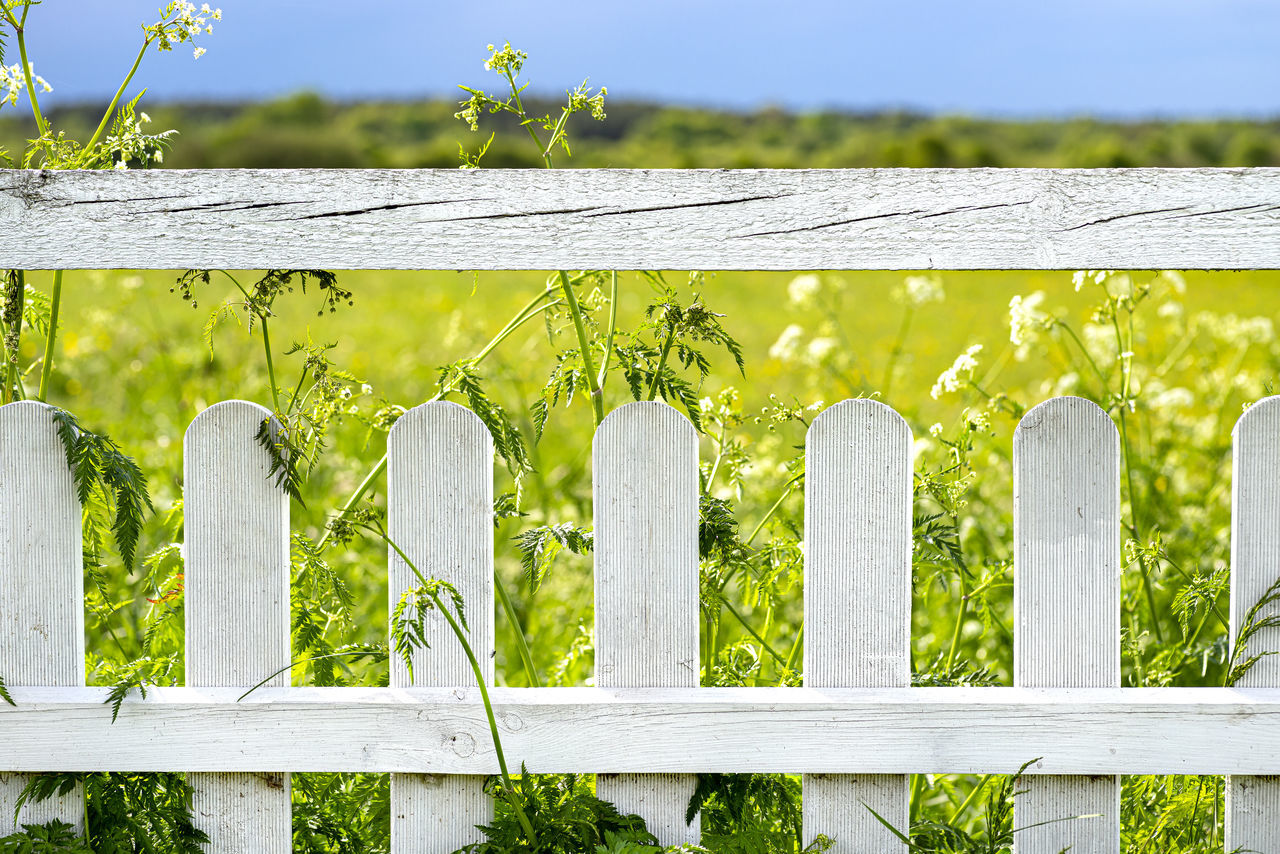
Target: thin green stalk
968, 801
662, 363
613, 326
795, 648
959, 626
19, 28
111, 108
528, 125
764, 643
918, 784
47, 368
786, 492
588, 368
895, 352
526, 658
355, 497
509, 789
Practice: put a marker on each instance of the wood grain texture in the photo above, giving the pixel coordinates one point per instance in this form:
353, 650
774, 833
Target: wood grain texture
237, 609
1066, 485
440, 513
653, 730
41, 583
857, 600
1253, 803
645, 490
498, 219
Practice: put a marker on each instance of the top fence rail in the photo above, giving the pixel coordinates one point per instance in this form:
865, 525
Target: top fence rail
855, 219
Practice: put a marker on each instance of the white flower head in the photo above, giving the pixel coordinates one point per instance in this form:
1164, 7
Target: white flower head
1026, 320
787, 347
960, 372
804, 289
917, 290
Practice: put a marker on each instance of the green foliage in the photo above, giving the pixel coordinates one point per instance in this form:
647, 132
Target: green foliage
55, 837
409, 619
342, 813
748, 813
539, 546
126, 814
567, 818
109, 484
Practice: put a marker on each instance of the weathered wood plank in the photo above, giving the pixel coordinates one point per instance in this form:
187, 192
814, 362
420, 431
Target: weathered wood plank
643, 219
645, 464
440, 513
857, 600
637, 730
41, 583
1253, 803
237, 610
1066, 487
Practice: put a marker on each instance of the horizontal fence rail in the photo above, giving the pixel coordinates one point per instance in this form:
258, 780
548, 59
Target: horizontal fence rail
854, 219
651, 730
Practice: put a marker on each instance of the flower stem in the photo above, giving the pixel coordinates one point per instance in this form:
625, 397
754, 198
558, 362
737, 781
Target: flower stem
47, 368
584, 346
508, 788
87, 151
662, 362
526, 658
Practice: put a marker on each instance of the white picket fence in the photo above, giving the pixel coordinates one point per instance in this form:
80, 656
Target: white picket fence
855, 730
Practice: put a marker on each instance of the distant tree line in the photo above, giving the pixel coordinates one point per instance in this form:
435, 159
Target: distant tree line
307, 130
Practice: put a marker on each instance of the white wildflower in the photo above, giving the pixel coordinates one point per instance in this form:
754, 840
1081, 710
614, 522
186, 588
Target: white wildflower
804, 289
917, 290
1098, 276
960, 372
198, 52
366, 389
820, 348
1025, 322
1175, 280
787, 347
935, 429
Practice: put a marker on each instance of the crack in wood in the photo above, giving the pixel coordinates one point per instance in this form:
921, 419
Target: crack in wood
1121, 216
387, 207
656, 208
831, 224
968, 208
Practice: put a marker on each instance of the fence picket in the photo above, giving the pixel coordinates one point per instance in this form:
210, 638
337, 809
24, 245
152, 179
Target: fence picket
1066, 485
857, 600
1253, 803
646, 575
237, 608
440, 512
41, 582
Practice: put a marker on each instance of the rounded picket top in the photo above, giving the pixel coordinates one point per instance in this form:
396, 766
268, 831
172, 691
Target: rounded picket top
439, 424
647, 417
227, 418
870, 415
440, 514
28, 430
1262, 416
1066, 415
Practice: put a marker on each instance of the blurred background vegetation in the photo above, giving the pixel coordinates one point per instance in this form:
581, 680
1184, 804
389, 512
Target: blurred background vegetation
308, 130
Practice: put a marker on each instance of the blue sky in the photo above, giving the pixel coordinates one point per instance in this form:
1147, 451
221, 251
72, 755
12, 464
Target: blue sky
1127, 58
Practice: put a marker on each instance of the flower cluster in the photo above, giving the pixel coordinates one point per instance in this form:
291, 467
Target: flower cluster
12, 82
180, 24
961, 370
915, 291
